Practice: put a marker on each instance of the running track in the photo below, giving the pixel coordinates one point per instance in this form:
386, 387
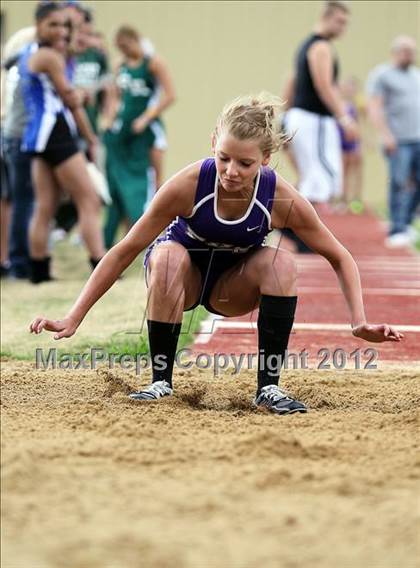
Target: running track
391, 285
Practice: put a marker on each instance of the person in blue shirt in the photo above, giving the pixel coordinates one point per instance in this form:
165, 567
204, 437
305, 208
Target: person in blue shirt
50, 137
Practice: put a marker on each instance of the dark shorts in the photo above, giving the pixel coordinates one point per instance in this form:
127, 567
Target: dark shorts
349, 147
212, 264
61, 144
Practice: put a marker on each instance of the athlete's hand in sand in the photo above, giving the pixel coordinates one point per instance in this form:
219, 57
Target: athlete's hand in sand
63, 328
377, 333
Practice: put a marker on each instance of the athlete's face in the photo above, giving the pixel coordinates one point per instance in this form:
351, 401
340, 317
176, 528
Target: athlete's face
336, 23
52, 30
237, 161
64, 47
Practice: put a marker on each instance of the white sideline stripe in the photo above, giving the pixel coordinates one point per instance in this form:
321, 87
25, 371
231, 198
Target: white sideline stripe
366, 291
225, 324
345, 327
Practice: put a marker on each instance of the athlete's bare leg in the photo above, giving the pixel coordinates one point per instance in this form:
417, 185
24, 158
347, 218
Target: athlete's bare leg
357, 164
174, 283
47, 196
347, 178
269, 271
4, 240
73, 176
156, 160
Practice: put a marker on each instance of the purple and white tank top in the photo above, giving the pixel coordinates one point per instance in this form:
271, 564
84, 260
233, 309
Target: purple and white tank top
205, 228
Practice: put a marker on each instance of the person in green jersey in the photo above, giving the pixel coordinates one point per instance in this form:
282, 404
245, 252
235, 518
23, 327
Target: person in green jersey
133, 115
91, 74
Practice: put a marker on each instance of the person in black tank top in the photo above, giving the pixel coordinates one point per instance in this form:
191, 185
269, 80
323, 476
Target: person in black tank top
307, 96
315, 104
312, 85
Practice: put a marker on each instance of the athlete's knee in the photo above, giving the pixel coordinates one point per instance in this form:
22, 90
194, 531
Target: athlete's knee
278, 266
43, 211
168, 267
88, 204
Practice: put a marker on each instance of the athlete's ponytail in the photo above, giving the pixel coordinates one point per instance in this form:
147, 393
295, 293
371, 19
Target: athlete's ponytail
254, 117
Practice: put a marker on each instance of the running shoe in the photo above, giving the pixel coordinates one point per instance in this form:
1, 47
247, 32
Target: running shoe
398, 240
154, 391
275, 400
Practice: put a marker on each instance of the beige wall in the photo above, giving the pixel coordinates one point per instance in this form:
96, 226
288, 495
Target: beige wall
218, 50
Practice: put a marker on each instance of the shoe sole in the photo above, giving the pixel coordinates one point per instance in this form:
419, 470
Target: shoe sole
147, 399
268, 411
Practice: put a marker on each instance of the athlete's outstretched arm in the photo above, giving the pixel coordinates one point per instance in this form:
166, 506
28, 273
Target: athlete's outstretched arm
295, 212
176, 197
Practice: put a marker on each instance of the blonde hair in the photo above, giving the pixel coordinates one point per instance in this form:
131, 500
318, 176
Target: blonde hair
254, 117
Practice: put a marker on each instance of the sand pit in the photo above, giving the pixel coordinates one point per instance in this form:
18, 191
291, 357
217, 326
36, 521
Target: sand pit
93, 480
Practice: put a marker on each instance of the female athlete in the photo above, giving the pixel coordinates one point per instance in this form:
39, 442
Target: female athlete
50, 137
217, 213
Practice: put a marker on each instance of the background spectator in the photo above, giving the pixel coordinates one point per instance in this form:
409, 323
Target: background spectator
394, 107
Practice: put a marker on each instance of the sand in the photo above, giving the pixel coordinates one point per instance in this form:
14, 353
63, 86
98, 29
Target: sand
94, 480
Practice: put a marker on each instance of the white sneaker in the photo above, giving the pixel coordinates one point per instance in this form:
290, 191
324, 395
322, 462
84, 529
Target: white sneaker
275, 400
398, 240
154, 391
413, 234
